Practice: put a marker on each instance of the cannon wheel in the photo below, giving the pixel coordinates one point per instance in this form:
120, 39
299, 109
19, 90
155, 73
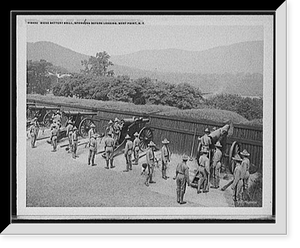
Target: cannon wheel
234, 150
145, 136
47, 119
84, 127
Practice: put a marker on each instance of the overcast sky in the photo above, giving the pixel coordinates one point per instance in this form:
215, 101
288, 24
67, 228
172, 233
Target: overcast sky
123, 39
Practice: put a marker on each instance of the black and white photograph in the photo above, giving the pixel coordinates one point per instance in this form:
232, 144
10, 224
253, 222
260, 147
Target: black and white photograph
145, 117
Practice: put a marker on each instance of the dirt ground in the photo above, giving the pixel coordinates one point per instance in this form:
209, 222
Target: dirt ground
55, 179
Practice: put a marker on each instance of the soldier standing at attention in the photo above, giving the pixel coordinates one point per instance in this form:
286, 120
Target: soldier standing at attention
182, 178
136, 148
69, 130
203, 170
92, 131
74, 142
92, 149
238, 175
110, 128
150, 158
245, 164
109, 144
216, 165
33, 130
53, 138
128, 153
165, 158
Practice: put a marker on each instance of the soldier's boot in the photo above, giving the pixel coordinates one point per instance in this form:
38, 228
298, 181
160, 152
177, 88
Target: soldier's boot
181, 198
107, 164
178, 196
112, 164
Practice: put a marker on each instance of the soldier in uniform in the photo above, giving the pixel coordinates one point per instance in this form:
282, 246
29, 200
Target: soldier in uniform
216, 165
92, 149
150, 158
204, 141
92, 131
109, 144
165, 158
238, 175
182, 178
128, 153
74, 142
53, 138
203, 171
33, 130
136, 148
245, 164
69, 130
110, 128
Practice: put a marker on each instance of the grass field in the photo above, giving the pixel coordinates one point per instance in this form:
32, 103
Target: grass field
217, 115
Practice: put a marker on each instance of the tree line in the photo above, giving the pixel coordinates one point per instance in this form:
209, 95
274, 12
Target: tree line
96, 81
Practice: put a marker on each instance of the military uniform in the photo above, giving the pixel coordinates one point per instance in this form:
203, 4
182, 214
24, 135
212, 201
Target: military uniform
53, 138
150, 158
216, 166
109, 149
182, 178
33, 130
69, 130
74, 142
92, 150
91, 132
203, 172
128, 153
136, 148
204, 142
165, 158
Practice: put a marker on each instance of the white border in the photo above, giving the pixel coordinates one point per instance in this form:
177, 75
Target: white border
22, 210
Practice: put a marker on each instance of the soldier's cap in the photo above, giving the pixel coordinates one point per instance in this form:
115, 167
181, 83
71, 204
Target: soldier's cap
165, 141
127, 137
206, 130
116, 119
74, 128
245, 153
110, 122
185, 157
214, 128
70, 122
136, 134
92, 125
151, 143
218, 144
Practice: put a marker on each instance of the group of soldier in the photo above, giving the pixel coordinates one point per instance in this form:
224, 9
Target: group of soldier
208, 159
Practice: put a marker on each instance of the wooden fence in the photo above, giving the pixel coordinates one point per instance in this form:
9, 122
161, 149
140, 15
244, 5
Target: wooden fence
179, 131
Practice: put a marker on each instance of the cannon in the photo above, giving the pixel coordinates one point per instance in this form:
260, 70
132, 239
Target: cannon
81, 119
220, 135
130, 126
42, 113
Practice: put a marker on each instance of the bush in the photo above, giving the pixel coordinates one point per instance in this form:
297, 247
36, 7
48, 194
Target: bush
250, 108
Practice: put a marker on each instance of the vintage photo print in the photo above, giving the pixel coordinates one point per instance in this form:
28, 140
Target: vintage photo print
145, 117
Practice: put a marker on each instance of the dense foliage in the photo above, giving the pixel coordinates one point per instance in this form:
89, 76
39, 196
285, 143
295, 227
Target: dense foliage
250, 108
96, 81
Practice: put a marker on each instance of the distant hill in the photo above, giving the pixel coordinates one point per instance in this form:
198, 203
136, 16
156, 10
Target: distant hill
233, 69
244, 57
56, 54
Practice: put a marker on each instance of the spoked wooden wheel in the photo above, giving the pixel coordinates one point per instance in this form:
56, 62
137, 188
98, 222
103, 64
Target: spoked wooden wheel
85, 126
145, 136
47, 119
234, 150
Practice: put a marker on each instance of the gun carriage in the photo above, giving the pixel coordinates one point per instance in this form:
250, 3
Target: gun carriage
42, 113
130, 126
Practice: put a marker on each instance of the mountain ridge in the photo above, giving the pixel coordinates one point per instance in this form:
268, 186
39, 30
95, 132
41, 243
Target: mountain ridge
225, 81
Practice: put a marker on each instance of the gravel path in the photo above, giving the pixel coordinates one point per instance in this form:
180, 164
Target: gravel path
55, 179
